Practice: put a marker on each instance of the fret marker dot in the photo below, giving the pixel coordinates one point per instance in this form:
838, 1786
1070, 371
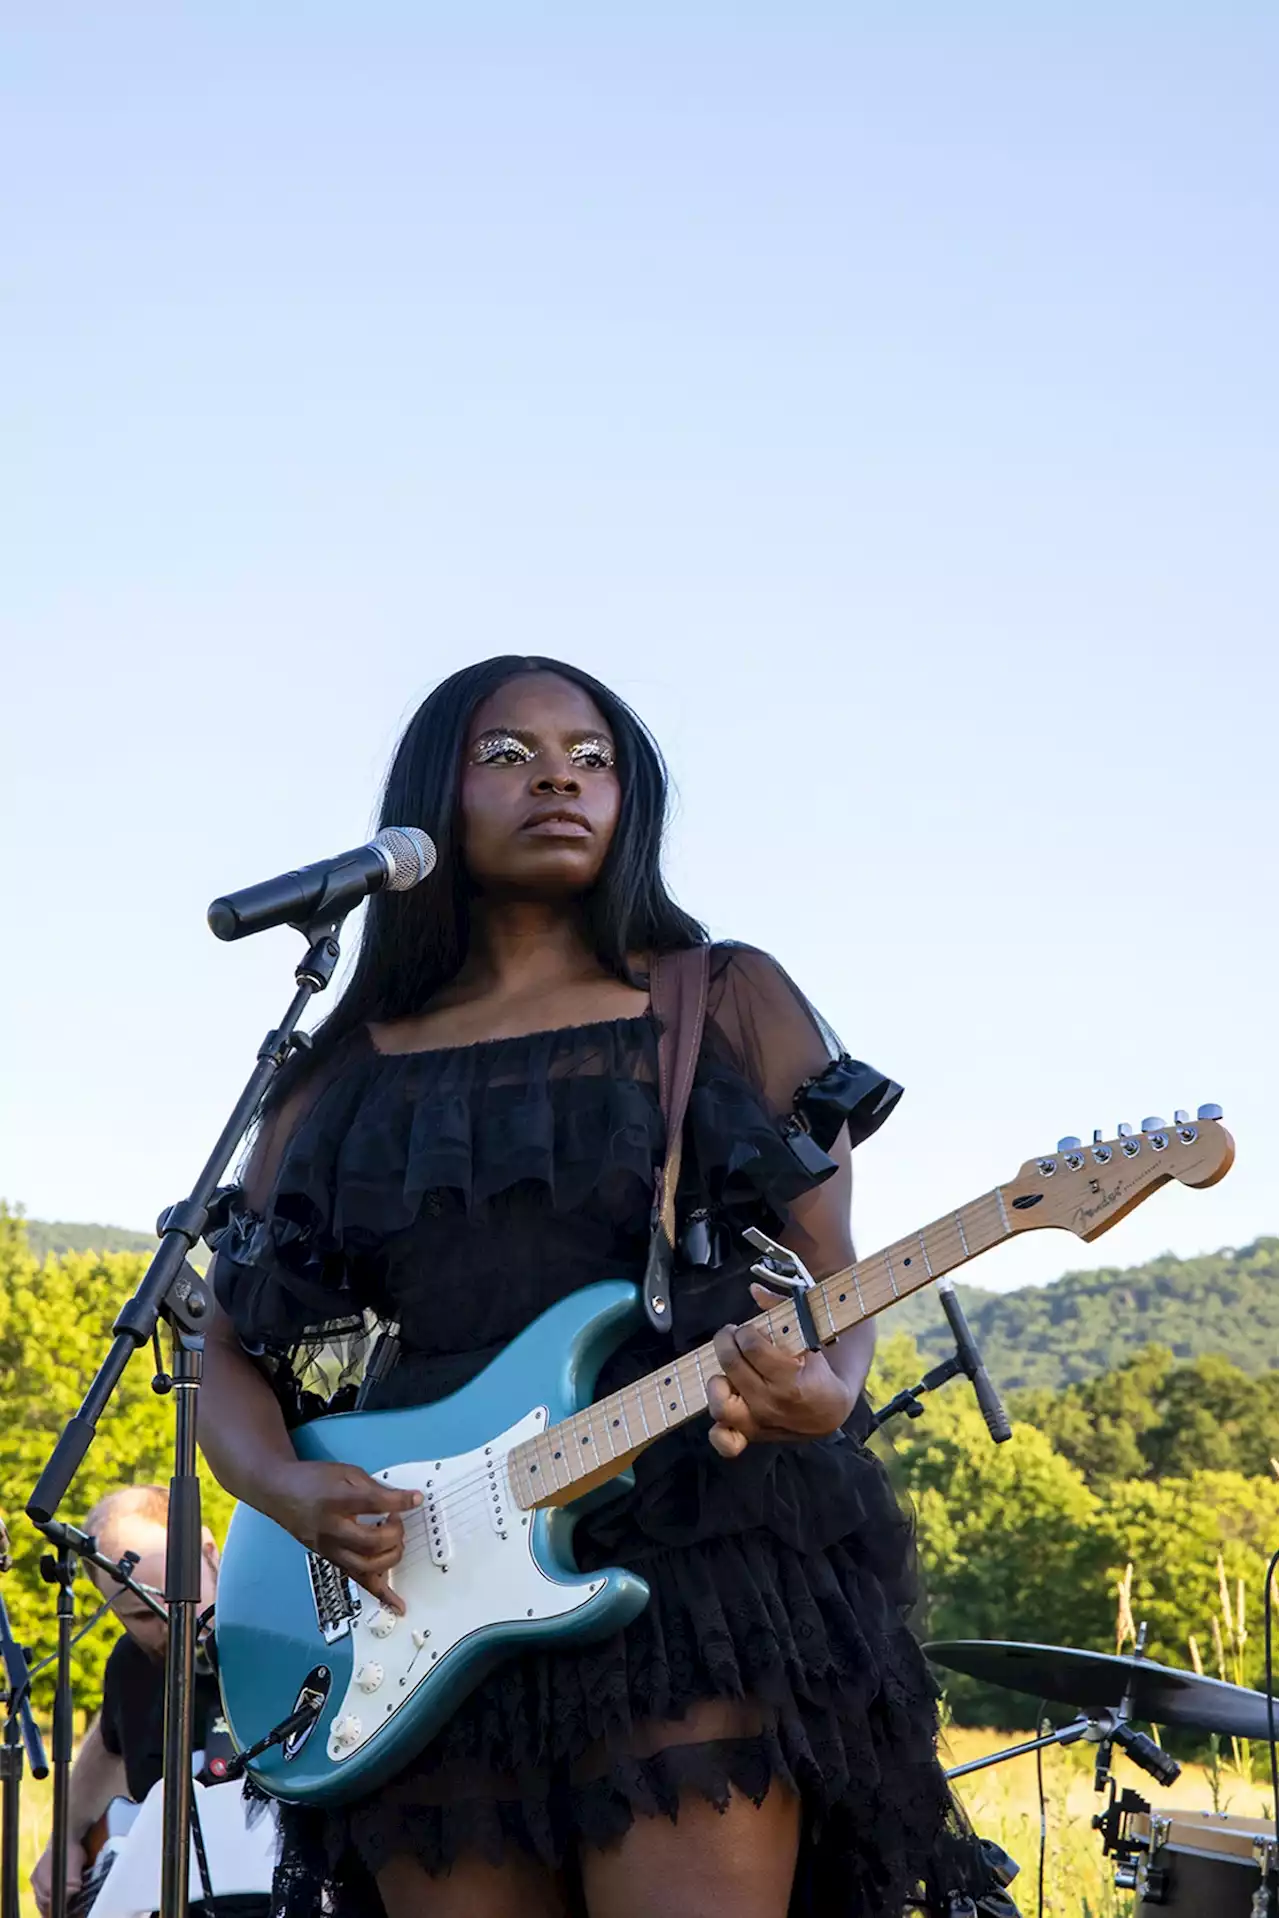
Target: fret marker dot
586, 1438
673, 1405
785, 1330
906, 1261
557, 1455
843, 1297
617, 1421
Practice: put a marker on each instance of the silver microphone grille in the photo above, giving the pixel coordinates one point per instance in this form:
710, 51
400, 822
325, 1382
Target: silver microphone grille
409, 853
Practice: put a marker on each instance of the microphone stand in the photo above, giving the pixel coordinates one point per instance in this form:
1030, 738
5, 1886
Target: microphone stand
908, 1400
966, 1360
21, 1735
172, 1290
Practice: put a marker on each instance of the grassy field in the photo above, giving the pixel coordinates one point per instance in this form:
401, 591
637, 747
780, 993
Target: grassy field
1001, 1803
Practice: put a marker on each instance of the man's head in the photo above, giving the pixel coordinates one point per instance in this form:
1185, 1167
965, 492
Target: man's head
136, 1519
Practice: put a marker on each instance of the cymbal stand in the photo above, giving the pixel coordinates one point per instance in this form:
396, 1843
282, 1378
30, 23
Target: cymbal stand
1066, 1735
1104, 1729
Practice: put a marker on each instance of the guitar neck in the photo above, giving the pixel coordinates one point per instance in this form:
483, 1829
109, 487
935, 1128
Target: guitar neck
600, 1441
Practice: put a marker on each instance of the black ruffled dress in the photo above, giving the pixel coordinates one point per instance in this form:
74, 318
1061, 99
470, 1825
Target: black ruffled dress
460, 1192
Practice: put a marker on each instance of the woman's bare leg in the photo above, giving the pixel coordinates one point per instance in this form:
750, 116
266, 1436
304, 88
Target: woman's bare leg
473, 1889
741, 1860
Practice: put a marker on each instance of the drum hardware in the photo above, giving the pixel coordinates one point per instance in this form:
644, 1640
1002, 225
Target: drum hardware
1118, 1839
1183, 1863
1104, 1727
1189, 1862
1098, 1681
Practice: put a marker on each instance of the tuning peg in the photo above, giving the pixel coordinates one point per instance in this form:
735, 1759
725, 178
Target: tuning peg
1208, 1112
1181, 1118
1097, 1135
1153, 1125
1124, 1131
1069, 1144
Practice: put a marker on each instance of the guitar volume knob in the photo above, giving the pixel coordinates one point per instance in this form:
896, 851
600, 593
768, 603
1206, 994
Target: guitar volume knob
384, 1622
369, 1677
347, 1732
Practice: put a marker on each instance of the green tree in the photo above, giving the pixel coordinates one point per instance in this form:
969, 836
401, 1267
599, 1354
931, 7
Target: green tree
55, 1327
1213, 1418
1101, 1424
1171, 1532
1153, 1417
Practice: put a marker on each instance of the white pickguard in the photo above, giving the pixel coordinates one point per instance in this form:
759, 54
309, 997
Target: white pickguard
468, 1563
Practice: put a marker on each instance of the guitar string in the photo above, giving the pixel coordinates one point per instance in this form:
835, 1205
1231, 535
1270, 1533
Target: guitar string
463, 1500
453, 1500
460, 1505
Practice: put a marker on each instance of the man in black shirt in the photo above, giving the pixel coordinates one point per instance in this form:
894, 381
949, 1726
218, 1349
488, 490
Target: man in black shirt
122, 1752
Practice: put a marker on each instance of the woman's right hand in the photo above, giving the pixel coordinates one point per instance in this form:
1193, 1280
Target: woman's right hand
321, 1503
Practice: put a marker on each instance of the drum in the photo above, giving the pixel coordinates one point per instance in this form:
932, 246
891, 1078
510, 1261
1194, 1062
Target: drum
1202, 1864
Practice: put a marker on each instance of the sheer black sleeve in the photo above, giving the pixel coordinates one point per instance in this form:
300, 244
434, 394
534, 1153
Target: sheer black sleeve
764, 1026
279, 1273
777, 1108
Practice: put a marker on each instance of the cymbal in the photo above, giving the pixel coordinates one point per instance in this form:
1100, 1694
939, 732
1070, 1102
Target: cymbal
1094, 1681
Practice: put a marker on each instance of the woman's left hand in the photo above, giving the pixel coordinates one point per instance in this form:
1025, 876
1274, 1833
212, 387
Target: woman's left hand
767, 1393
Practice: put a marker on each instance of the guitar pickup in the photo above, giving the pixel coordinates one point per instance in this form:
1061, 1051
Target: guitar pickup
497, 1492
437, 1530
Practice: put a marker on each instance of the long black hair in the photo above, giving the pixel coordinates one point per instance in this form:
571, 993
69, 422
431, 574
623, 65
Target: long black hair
413, 943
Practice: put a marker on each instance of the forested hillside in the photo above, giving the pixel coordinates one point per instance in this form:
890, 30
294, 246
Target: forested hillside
55, 1235
1050, 1336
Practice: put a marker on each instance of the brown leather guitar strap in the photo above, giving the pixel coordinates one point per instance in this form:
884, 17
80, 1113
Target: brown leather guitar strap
678, 997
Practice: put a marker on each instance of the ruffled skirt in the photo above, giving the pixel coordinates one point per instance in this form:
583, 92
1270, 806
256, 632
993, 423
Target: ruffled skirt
824, 1691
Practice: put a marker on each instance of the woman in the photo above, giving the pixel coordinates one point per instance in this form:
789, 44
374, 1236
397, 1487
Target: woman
473, 1134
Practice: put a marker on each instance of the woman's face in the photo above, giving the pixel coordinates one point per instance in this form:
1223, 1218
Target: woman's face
540, 792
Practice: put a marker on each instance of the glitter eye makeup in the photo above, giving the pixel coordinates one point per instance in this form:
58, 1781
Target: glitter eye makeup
504, 749
596, 753
500, 749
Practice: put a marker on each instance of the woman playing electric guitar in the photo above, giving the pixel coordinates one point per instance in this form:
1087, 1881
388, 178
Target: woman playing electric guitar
474, 1134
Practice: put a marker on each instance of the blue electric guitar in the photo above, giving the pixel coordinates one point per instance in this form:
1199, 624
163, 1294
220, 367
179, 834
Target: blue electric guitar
339, 1692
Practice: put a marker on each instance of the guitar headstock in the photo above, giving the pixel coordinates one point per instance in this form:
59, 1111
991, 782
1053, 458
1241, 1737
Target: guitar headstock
1085, 1189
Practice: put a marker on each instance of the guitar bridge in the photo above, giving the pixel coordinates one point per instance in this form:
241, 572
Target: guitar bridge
335, 1602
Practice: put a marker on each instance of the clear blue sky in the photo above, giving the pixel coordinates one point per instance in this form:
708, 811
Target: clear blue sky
882, 398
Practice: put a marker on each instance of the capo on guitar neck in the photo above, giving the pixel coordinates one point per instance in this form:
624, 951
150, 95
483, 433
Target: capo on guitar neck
786, 1274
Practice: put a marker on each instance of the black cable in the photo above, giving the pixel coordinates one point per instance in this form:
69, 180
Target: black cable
1041, 1713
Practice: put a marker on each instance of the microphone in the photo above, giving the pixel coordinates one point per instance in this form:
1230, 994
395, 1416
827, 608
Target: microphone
399, 858
971, 1364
